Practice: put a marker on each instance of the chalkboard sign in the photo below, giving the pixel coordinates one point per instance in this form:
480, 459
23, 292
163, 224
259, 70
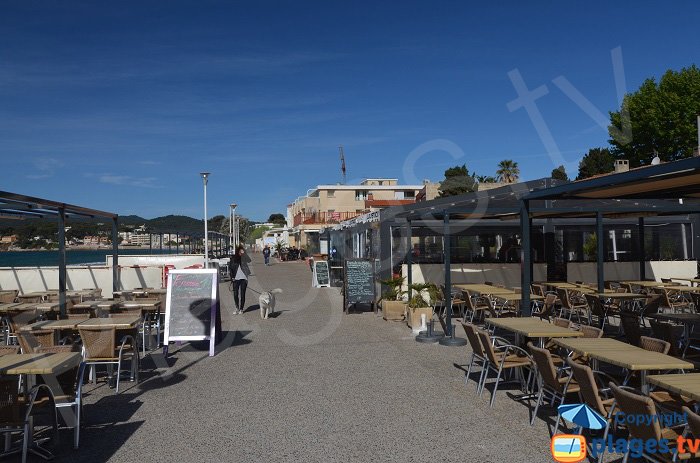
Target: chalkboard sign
190, 308
359, 281
321, 275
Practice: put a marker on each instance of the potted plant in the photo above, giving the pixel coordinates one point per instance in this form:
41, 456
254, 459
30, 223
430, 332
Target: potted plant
393, 305
424, 296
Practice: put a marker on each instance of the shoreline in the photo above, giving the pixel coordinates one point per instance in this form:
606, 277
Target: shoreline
87, 248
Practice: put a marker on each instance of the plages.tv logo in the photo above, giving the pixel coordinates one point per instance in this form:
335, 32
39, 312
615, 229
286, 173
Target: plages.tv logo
568, 448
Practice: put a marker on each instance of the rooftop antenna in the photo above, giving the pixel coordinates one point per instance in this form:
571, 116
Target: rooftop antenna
342, 162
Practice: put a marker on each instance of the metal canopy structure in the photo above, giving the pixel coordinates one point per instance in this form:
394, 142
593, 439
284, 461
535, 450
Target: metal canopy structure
17, 206
654, 190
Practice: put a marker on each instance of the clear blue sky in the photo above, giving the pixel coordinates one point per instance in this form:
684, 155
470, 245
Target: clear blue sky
119, 105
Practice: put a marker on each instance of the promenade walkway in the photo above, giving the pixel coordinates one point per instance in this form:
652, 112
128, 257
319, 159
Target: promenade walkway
310, 385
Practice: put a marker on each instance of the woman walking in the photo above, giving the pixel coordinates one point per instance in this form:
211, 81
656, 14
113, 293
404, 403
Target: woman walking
239, 274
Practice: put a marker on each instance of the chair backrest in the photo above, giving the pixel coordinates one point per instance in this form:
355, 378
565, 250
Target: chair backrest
595, 305
589, 388
564, 297
548, 306
591, 331
654, 345
665, 300
11, 410
8, 295
473, 338
545, 367
562, 322
630, 324
32, 340
669, 332
488, 347
693, 422
611, 284
632, 404
652, 304
8, 350
79, 315
99, 343
537, 289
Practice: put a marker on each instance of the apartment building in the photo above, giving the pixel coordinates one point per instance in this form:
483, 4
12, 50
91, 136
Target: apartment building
328, 204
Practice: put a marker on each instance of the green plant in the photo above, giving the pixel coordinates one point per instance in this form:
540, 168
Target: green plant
394, 293
280, 247
423, 294
590, 246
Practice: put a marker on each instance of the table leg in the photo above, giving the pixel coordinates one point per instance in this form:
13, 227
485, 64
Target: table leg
643, 382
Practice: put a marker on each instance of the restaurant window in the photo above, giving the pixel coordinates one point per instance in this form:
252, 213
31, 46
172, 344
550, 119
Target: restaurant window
330, 194
361, 195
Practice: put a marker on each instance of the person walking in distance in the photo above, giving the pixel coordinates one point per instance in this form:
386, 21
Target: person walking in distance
266, 254
239, 273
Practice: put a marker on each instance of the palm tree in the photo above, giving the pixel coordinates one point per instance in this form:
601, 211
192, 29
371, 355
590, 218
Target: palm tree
508, 171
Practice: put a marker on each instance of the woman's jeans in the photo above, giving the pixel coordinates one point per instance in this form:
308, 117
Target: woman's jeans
239, 288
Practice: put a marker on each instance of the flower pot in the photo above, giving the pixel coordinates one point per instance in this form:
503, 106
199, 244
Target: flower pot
393, 310
414, 316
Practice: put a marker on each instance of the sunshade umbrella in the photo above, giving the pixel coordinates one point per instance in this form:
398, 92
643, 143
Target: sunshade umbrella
582, 415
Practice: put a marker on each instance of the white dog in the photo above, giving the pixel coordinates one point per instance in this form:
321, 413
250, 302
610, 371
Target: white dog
267, 302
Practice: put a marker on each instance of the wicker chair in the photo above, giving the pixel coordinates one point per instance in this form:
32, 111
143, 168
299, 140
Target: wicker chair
548, 307
669, 332
574, 305
500, 358
70, 402
478, 355
630, 324
16, 410
591, 331
549, 381
562, 322
8, 296
632, 404
599, 310
654, 345
32, 340
100, 348
9, 350
674, 302
475, 307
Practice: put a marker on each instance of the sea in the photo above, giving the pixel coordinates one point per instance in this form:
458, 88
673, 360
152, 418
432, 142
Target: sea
73, 257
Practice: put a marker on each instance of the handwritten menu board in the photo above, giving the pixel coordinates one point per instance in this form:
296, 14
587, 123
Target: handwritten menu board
359, 281
321, 273
190, 309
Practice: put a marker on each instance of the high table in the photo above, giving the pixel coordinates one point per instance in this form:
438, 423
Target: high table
624, 355
31, 365
530, 327
687, 385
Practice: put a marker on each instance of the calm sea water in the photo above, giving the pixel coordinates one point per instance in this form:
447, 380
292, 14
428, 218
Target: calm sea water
50, 258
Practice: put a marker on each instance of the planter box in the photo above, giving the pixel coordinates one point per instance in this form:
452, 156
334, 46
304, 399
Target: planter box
414, 316
393, 310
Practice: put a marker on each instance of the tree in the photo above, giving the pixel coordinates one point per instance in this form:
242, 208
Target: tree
485, 179
508, 171
257, 233
277, 219
457, 181
596, 161
658, 119
560, 174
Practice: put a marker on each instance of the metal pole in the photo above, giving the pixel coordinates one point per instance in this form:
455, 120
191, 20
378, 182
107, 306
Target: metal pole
62, 261
409, 259
205, 176
601, 256
150, 243
525, 258
642, 251
230, 225
447, 242
235, 238
177, 243
115, 255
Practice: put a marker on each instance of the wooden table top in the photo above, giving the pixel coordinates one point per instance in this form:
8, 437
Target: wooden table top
645, 283
33, 295
25, 306
143, 303
47, 306
533, 327
121, 322
39, 364
683, 288
676, 317
693, 280
8, 306
513, 296
623, 355
63, 324
621, 295
685, 384
482, 288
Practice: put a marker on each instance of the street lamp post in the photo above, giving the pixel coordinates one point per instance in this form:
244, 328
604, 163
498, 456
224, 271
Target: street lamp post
232, 221
205, 178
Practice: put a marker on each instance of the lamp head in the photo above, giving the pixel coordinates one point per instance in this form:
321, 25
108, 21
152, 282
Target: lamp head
205, 176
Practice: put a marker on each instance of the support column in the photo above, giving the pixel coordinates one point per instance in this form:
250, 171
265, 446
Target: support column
525, 258
642, 251
601, 257
446, 248
177, 243
62, 261
115, 256
409, 258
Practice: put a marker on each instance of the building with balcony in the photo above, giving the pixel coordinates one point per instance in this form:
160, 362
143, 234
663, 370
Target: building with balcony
331, 204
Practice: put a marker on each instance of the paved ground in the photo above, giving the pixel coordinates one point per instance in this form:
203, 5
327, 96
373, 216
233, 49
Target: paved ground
311, 385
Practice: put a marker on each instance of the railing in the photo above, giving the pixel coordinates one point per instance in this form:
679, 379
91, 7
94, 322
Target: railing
324, 217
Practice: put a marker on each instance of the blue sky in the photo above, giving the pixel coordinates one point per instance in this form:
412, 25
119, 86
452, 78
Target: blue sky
119, 105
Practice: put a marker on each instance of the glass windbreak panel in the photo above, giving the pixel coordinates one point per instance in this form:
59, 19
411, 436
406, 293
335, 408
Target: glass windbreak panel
672, 241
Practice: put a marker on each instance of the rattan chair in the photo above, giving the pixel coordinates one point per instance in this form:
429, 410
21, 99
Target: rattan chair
9, 350
591, 331
478, 357
16, 411
8, 296
630, 325
99, 347
30, 341
674, 302
562, 322
501, 358
476, 306
573, 305
654, 344
603, 312
671, 333
70, 401
632, 404
550, 383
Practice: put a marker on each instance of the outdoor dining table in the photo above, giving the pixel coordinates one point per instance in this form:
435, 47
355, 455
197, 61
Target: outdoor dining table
531, 327
683, 288
687, 385
687, 319
36, 296
629, 299
5, 306
483, 288
646, 283
692, 281
120, 323
31, 365
624, 355
67, 324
